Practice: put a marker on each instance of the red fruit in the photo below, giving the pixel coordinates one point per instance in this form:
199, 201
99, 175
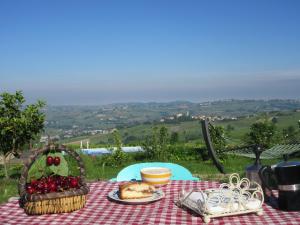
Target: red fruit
49, 160
40, 186
74, 183
65, 184
58, 181
30, 189
34, 183
49, 180
69, 178
46, 188
52, 187
56, 161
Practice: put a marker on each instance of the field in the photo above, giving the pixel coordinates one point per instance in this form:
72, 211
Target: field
190, 131
78, 120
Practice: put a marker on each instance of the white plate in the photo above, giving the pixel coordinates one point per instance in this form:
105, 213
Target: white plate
157, 195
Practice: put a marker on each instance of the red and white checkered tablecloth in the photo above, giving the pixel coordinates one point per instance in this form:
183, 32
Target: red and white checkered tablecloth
100, 210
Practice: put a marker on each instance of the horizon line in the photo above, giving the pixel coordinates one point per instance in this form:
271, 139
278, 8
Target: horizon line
178, 101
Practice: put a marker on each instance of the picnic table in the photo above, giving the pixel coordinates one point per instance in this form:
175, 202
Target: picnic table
100, 210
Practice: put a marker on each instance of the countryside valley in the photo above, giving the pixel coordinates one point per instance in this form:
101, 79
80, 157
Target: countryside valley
95, 124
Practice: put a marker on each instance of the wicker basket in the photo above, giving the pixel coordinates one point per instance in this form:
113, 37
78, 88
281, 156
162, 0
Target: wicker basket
54, 202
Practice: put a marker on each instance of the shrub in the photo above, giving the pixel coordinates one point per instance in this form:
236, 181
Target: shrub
262, 133
117, 157
156, 146
217, 135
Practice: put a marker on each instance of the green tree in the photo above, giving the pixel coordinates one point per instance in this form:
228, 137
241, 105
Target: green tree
19, 124
151, 144
163, 136
262, 133
163, 143
118, 155
185, 135
290, 134
174, 139
217, 135
156, 145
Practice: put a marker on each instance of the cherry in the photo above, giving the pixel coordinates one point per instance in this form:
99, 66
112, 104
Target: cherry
34, 183
46, 188
58, 181
52, 187
50, 160
74, 183
53, 183
56, 161
46, 185
41, 186
30, 189
65, 184
49, 179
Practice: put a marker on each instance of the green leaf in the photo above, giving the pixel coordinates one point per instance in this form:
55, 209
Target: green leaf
62, 169
38, 168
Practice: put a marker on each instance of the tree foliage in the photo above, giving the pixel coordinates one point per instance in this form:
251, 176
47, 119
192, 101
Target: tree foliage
290, 135
19, 124
156, 146
151, 144
118, 156
217, 134
262, 133
174, 139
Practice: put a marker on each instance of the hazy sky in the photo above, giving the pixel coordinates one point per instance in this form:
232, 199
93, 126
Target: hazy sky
97, 52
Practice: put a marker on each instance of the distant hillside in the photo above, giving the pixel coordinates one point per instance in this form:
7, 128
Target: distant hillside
72, 121
190, 131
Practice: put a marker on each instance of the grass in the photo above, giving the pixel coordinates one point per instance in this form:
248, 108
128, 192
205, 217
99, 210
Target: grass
8, 188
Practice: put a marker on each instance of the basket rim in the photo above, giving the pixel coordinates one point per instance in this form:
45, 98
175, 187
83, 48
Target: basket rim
83, 190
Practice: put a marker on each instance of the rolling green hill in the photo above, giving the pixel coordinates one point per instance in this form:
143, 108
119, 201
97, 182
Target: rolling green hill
110, 116
190, 131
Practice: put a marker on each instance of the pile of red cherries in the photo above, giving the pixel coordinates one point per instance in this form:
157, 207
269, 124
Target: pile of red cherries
53, 183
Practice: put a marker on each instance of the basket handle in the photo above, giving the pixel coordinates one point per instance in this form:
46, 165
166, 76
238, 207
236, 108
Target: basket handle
46, 149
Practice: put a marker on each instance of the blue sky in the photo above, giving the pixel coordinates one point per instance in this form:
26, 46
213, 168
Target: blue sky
98, 52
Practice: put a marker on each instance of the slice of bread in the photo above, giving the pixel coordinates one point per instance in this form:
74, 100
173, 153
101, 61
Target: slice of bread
135, 190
